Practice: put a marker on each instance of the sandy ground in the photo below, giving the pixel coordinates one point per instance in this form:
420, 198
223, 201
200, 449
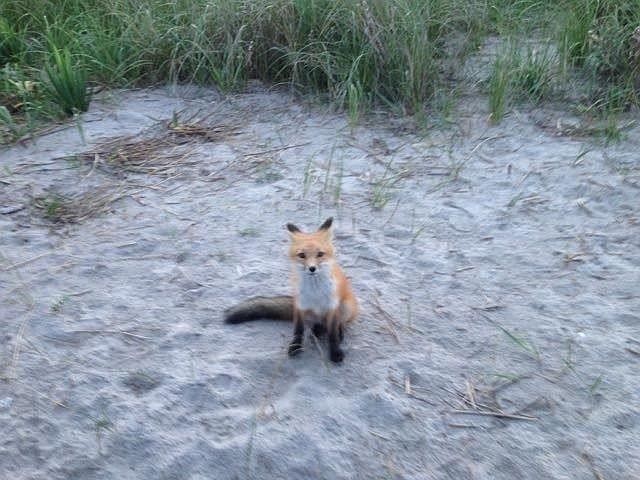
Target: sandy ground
498, 268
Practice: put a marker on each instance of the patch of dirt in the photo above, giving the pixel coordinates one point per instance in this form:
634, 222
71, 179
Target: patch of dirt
497, 269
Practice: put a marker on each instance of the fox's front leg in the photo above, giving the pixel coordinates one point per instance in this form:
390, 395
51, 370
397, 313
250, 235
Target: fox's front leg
334, 325
295, 347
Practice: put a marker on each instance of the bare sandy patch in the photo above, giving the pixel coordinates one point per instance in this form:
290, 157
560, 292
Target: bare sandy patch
497, 268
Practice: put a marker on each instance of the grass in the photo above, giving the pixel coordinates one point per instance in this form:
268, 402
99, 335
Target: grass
520, 73
592, 386
66, 83
66, 209
58, 305
249, 232
602, 36
359, 55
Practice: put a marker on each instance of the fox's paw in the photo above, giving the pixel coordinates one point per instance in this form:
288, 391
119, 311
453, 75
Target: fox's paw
336, 355
295, 348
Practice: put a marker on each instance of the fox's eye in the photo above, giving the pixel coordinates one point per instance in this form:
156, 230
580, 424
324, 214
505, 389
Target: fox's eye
320, 254
302, 255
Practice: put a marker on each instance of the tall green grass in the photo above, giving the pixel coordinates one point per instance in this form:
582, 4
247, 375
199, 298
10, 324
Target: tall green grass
602, 38
66, 83
355, 53
521, 73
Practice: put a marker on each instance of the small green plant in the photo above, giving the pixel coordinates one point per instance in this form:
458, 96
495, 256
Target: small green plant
52, 208
222, 256
498, 90
66, 83
380, 195
384, 187
354, 102
8, 123
267, 174
11, 42
519, 74
229, 73
522, 342
593, 388
612, 132
507, 376
249, 232
337, 192
59, 304
102, 425
307, 178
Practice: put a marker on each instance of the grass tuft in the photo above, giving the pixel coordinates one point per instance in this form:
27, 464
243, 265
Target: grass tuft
602, 38
520, 74
402, 54
66, 83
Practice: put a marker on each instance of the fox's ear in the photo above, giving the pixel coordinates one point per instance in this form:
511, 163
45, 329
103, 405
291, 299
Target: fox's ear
292, 228
327, 224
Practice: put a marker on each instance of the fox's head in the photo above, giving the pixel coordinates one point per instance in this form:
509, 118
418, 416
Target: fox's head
312, 253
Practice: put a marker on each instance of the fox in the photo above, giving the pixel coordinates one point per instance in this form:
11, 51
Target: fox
322, 298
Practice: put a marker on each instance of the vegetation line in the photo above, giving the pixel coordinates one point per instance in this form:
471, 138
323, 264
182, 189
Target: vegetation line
400, 54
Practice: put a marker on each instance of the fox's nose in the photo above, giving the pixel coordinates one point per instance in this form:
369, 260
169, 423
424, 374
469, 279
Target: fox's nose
312, 268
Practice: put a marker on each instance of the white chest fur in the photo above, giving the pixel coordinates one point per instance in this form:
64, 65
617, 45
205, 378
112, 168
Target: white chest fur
317, 291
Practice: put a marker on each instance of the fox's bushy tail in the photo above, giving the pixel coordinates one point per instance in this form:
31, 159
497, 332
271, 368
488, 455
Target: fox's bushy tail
261, 308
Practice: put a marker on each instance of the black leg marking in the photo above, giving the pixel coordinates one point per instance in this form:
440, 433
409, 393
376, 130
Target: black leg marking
318, 329
335, 338
295, 347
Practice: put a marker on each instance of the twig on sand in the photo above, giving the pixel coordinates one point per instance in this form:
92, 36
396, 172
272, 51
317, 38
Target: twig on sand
25, 262
379, 435
410, 392
465, 399
471, 394
463, 425
470, 399
114, 332
11, 369
77, 294
391, 326
197, 282
144, 257
55, 402
278, 149
596, 473
488, 308
38, 351
495, 414
464, 269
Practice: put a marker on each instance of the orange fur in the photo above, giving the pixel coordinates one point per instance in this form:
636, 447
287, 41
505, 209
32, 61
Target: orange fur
322, 296
312, 244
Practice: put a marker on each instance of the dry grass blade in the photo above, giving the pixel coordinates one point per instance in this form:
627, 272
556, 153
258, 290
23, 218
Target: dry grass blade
391, 324
156, 155
495, 414
204, 132
114, 332
471, 405
78, 207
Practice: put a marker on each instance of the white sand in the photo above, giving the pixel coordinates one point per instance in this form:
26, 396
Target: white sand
503, 267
